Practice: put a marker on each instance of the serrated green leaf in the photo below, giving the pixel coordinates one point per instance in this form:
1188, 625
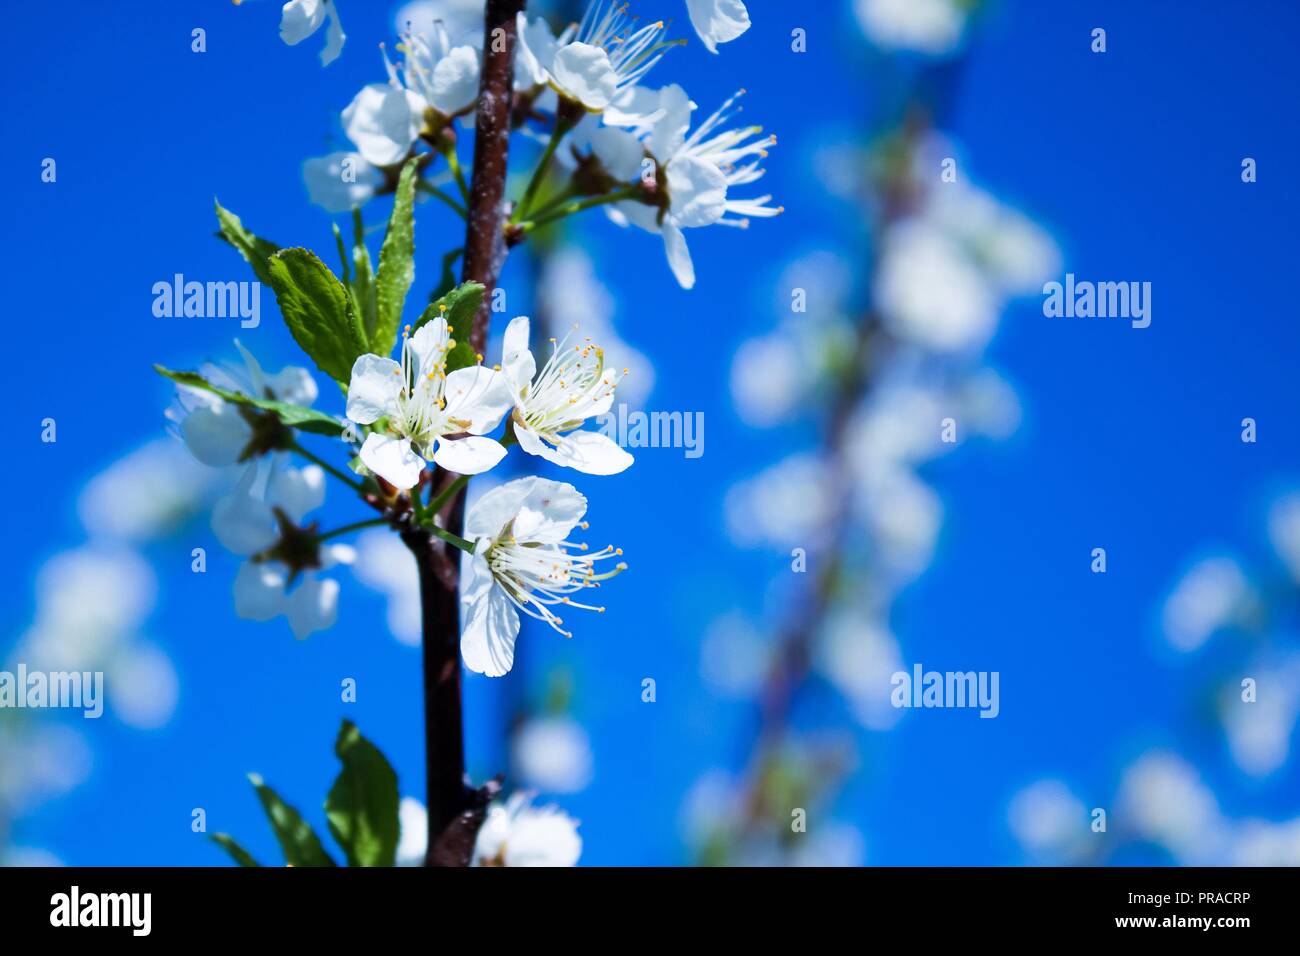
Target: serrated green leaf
295, 416
255, 250
396, 264
362, 804
318, 311
237, 852
459, 306
299, 842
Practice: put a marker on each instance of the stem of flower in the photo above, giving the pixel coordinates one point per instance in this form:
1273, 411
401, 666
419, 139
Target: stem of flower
563, 123
578, 205
437, 504
434, 191
451, 538
453, 163
355, 526
352, 483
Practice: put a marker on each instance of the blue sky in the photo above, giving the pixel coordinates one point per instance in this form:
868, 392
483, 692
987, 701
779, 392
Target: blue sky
1130, 439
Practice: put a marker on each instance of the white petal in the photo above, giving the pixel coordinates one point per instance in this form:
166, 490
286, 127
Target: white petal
372, 392
313, 606
698, 190
619, 152
297, 490
488, 641
472, 455
454, 84
392, 459
534, 53
340, 181
679, 256
674, 120
299, 19
259, 591
492, 512
549, 512
636, 106
586, 75
216, 434
591, 453
334, 37
478, 395
383, 122
429, 345
718, 21
517, 362
243, 524
294, 384
541, 838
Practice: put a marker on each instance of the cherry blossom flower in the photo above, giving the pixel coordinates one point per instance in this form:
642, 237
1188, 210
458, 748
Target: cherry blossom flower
220, 433
523, 562
573, 385
299, 19
697, 171
431, 414
433, 82
520, 834
592, 64
266, 528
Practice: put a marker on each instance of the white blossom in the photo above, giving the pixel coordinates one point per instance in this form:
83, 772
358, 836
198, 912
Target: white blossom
551, 405
522, 561
341, 181
262, 527
520, 834
299, 19
218, 432
432, 414
553, 754
933, 27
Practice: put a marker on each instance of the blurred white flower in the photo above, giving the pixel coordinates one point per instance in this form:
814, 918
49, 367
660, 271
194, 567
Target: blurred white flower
933, 27
460, 18
1284, 531
28, 857
769, 378
519, 834
553, 754
1259, 732
142, 687
384, 563
1265, 843
299, 19
829, 844
904, 515
785, 505
1049, 821
1163, 800
341, 181
1210, 597
144, 494
39, 761
413, 821
218, 432
859, 657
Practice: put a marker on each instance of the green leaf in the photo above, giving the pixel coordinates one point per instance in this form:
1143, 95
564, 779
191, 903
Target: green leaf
396, 264
299, 842
362, 804
256, 251
363, 283
459, 306
295, 416
318, 311
237, 852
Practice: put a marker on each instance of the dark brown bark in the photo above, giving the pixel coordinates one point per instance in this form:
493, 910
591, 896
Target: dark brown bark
455, 808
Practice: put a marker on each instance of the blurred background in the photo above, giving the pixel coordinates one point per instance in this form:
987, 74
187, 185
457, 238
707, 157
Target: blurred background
828, 535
